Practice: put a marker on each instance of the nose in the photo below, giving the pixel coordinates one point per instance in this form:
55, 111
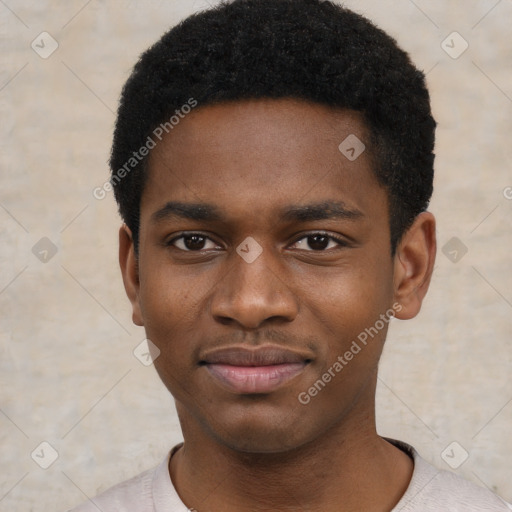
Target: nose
253, 294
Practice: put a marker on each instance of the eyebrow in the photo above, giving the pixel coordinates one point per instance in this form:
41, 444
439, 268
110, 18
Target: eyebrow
302, 213
320, 211
192, 211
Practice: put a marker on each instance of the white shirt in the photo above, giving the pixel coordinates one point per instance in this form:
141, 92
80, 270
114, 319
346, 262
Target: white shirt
430, 490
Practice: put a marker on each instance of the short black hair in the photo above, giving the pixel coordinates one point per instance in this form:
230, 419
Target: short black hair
314, 50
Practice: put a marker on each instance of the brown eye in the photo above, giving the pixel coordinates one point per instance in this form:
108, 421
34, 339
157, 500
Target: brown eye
319, 242
194, 242
191, 242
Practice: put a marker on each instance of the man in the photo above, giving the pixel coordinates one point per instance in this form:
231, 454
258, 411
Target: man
273, 162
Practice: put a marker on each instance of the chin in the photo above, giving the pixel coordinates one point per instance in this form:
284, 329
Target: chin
260, 443
259, 433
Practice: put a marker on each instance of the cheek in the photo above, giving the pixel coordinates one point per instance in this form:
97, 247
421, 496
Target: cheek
166, 325
352, 297
346, 310
172, 304
347, 314
163, 309
168, 296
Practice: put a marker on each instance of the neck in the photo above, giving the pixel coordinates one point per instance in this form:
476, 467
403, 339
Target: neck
347, 469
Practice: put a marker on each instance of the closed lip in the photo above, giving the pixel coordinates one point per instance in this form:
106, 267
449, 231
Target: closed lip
254, 371
262, 356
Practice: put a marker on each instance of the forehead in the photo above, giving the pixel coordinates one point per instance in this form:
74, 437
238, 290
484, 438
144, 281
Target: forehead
262, 155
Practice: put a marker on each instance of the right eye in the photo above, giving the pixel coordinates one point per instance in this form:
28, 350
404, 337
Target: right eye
192, 242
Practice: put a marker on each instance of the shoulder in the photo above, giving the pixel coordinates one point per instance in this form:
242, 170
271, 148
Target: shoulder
150, 491
432, 489
133, 494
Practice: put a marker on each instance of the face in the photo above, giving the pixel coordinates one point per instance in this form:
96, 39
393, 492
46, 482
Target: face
264, 254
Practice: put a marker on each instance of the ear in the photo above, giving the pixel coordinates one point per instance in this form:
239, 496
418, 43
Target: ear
129, 268
413, 265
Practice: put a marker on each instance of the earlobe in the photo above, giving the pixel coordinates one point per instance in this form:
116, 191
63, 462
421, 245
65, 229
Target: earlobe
413, 265
129, 270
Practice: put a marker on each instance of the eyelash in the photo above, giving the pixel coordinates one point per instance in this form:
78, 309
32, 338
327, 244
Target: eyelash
340, 241
331, 238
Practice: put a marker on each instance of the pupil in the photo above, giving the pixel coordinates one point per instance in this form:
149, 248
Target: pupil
194, 242
318, 242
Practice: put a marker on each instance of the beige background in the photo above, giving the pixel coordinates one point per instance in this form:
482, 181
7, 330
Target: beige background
67, 372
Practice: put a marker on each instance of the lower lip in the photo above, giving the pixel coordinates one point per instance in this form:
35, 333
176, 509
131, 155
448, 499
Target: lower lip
255, 379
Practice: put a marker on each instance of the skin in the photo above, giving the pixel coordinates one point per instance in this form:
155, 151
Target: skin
262, 452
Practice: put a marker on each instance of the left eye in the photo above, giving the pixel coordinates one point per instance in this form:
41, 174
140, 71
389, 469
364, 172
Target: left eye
318, 242
193, 242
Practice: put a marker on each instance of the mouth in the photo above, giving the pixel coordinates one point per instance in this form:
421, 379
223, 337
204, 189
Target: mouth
262, 370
